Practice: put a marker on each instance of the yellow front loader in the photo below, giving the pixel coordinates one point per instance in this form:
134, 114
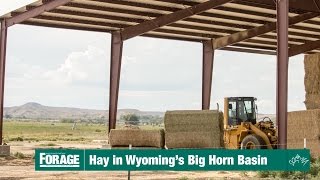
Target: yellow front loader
241, 129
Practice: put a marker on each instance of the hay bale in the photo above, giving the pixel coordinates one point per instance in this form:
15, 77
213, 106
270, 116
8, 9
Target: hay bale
136, 137
312, 80
312, 101
304, 124
193, 129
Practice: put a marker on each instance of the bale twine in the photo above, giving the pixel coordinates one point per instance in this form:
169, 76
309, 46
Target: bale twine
304, 124
137, 138
194, 129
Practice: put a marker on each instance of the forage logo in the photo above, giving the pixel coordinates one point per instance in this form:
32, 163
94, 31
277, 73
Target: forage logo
298, 159
59, 160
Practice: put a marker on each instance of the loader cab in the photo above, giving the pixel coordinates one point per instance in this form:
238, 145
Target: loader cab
239, 109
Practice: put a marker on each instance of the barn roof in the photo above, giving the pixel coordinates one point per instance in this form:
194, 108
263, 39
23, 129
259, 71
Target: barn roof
228, 23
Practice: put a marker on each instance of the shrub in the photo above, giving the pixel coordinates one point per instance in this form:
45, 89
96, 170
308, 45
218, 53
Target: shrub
66, 121
283, 174
315, 169
16, 139
263, 174
184, 178
244, 174
48, 144
19, 155
298, 175
314, 172
130, 119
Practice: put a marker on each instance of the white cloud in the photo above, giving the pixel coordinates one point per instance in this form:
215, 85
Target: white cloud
16, 68
86, 67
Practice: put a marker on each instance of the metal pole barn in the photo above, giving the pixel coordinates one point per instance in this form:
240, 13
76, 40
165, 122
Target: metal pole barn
282, 71
115, 69
207, 67
3, 47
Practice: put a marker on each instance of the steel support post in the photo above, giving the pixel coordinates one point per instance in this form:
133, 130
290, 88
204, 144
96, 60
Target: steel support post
207, 67
115, 68
3, 47
282, 71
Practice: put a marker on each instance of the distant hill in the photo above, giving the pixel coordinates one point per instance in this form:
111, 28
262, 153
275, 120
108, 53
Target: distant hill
37, 111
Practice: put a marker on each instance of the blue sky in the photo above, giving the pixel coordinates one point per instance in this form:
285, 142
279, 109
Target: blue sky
59, 67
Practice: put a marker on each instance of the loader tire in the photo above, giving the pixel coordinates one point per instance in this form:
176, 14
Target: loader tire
253, 141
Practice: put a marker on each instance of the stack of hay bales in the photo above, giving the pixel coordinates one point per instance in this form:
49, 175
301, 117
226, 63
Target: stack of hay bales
137, 138
193, 129
304, 124
312, 81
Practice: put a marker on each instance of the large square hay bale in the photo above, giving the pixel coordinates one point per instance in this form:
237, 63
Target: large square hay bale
193, 129
304, 124
137, 138
312, 80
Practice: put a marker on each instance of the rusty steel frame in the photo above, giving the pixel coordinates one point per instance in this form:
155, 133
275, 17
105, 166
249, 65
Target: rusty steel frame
133, 31
118, 38
3, 47
35, 12
282, 71
115, 70
207, 68
244, 35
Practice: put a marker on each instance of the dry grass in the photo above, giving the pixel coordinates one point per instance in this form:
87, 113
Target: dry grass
137, 138
304, 124
193, 129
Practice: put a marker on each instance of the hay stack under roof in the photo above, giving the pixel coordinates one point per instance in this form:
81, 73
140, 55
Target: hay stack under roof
304, 124
193, 129
137, 138
312, 81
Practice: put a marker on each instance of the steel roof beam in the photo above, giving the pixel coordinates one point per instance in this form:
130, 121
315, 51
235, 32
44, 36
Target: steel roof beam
150, 25
299, 49
179, 25
244, 50
244, 35
197, 35
233, 48
248, 12
223, 8
35, 12
70, 27
196, 20
305, 5
156, 14
180, 4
